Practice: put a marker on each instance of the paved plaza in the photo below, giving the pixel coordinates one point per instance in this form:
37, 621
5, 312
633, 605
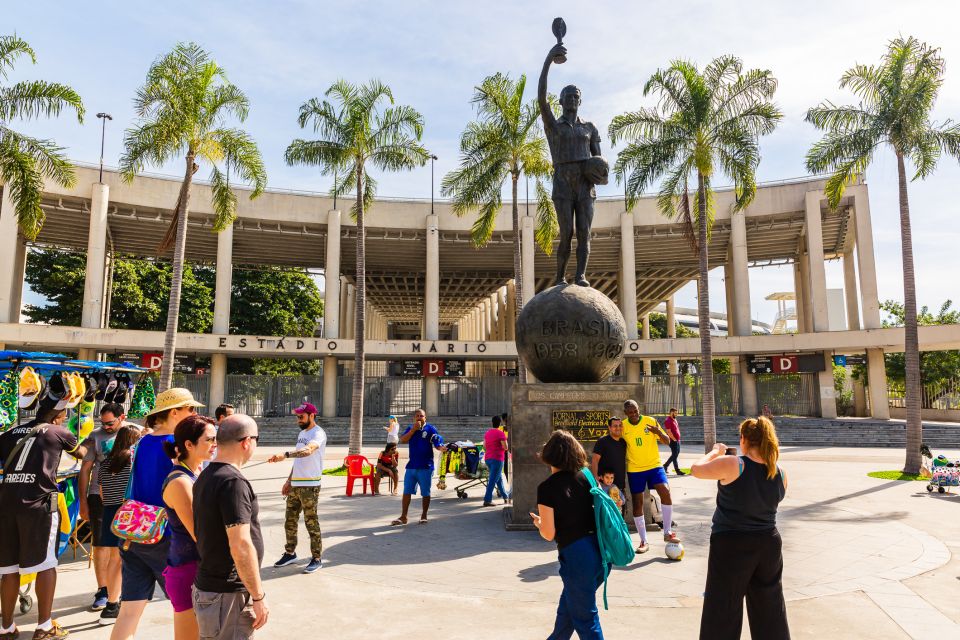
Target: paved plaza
864, 558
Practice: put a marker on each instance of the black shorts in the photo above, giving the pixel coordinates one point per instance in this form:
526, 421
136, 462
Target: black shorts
29, 537
95, 511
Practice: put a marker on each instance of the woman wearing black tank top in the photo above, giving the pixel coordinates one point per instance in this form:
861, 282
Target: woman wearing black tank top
746, 557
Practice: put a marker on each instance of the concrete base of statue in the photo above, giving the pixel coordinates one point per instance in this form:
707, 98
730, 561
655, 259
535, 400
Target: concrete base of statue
537, 410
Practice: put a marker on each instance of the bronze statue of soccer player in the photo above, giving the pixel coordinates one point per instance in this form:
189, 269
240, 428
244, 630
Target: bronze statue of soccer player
577, 165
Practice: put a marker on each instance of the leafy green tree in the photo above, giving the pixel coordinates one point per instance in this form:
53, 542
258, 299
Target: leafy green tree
139, 287
269, 301
936, 367
356, 129
896, 99
183, 109
506, 141
704, 125
24, 161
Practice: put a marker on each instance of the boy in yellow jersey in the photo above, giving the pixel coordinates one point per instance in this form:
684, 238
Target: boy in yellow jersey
642, 435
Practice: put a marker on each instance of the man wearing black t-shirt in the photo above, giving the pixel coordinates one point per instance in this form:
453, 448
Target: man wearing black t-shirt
228, 596
30, 525
610, 452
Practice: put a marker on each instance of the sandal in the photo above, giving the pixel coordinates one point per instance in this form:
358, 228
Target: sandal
643, 548
10, 635
399, 522
423, 520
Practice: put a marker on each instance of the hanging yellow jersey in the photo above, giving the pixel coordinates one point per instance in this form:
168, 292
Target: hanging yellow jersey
642, 451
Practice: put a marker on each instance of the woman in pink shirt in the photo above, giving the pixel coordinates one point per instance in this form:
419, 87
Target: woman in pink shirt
495, 452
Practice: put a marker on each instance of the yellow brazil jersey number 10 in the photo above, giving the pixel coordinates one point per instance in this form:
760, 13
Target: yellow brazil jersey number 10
642, 451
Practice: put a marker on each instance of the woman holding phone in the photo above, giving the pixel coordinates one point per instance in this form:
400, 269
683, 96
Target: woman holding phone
746, 558
565, 515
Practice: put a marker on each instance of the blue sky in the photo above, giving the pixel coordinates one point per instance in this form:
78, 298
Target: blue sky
433, 53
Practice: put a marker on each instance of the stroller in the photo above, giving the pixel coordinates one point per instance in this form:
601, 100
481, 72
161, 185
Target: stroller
464, 459
944, 475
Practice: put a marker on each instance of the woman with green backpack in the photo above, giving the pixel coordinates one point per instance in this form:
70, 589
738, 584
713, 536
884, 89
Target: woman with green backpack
566, 516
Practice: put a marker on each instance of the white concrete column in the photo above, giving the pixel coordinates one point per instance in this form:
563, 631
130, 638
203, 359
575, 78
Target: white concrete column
331, 293
9, 240
431, 309
728, 286
224, 282
741, 275
628, 290
18, 265
741, 312
218, 380
487, 319
798, 302
647, 364
807, 308
673, 365
502, 319
818, 291
511, 319
877, 379
350, 328
344, 307
850, 291
92, 313
527, 257
432, 293
866, 263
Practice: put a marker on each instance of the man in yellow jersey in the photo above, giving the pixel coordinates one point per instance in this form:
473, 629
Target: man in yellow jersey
642, 435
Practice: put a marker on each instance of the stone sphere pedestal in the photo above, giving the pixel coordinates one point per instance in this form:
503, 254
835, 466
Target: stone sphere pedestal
570, 333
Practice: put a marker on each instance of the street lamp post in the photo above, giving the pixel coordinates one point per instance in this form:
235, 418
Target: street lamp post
103, 137
432, 158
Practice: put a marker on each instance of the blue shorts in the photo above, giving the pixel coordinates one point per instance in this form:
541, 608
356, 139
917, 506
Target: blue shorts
641, 480
107, 537
414, 477
142, 567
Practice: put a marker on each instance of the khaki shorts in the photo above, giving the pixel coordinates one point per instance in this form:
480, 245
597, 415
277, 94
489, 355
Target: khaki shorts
223, 616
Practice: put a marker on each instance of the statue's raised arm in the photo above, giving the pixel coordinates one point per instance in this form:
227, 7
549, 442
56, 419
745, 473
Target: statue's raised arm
557, 52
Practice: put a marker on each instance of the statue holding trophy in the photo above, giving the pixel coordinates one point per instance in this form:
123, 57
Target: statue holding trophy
577, 165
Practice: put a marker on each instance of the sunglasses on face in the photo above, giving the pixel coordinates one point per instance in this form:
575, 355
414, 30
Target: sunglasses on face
254, 438
109, 423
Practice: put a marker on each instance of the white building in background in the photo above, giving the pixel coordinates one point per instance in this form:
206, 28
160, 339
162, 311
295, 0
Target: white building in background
432, 296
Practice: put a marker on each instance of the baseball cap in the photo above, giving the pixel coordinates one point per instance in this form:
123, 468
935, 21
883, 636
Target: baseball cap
306, 407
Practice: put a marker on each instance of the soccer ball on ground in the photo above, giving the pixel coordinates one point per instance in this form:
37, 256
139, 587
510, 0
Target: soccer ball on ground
674, 551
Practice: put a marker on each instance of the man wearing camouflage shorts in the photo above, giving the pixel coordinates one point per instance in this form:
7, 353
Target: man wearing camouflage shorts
302, 488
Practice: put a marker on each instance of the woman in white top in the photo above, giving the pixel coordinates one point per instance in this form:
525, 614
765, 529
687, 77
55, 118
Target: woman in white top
393, 430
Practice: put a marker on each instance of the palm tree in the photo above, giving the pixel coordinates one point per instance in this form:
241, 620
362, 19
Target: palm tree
704, 123
896, 98
506, 141
184, 108
356, 130
26, 161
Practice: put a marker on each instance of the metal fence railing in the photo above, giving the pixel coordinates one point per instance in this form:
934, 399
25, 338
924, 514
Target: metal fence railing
684, 393
272, 396
941, 395
383, 395
792, 394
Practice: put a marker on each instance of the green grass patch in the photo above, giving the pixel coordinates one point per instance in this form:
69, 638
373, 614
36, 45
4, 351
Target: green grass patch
897, 475
341, 471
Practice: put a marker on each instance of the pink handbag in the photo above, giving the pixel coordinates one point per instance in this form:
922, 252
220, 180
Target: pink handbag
137, 521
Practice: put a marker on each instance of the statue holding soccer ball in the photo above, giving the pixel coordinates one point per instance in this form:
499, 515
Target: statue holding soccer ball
577, 165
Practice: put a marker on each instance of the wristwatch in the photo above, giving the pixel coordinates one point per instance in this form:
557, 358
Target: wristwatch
286, 454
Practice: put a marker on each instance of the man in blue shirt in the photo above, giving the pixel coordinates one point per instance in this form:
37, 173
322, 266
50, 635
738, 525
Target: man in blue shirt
422, 438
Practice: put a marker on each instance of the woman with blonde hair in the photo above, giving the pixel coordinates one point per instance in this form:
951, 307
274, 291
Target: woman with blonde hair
746, 555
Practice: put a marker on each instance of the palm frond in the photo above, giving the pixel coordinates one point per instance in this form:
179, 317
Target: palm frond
224, 201
48, 158
547, 228
32, 99
11, 48
20, 175
244, 156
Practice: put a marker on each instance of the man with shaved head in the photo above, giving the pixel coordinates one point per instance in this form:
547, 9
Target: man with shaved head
228, 596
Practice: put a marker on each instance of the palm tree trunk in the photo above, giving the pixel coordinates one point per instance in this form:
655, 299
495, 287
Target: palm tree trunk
911, 339
517, 270
356, 407
176, 279
703, 313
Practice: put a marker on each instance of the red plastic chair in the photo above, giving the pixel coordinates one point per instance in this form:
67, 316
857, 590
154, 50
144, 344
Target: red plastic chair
354, 465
